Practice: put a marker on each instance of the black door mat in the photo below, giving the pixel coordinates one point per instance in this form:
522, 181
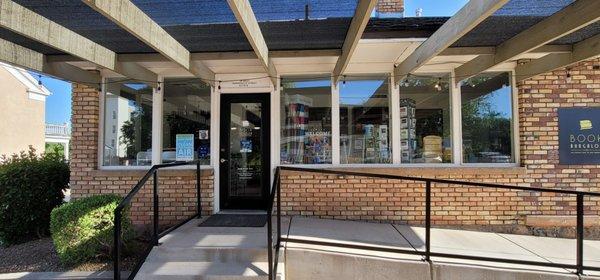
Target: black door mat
235, 220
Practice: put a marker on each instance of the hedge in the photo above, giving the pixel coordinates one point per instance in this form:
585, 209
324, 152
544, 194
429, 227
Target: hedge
82, 230
31, 185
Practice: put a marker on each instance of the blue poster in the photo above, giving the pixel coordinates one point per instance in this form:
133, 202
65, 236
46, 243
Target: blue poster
184, 147
579, 135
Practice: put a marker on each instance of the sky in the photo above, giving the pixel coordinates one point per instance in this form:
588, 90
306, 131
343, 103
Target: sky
432, 8
58, 105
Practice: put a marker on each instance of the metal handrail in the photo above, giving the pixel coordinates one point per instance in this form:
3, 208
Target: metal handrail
156, 235
273, 249
427, 253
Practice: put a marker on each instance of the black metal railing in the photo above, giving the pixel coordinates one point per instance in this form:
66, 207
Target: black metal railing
273, 244
156, 233
427, 254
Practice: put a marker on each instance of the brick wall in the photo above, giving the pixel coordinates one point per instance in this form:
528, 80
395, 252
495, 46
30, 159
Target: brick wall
177, 187
390, 6
355, 198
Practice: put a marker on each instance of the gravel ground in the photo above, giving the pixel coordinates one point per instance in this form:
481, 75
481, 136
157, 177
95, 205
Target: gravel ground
39, 256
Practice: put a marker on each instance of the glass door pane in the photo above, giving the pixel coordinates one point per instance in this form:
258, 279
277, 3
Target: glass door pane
245, 155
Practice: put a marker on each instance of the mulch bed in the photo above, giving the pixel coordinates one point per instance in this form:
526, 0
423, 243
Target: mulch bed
39, 256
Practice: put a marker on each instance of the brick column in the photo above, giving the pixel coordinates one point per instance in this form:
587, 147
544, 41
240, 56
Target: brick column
84, 138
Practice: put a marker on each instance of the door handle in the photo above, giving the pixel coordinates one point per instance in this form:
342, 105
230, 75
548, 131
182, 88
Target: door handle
222, 160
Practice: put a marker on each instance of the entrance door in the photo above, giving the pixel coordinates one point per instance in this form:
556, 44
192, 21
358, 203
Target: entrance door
244, 151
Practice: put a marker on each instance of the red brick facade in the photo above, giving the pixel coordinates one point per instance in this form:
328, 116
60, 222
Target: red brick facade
390, 200
177, 187
353, 198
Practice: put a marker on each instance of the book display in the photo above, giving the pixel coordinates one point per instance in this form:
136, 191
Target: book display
303, 141
372, 146
408, 135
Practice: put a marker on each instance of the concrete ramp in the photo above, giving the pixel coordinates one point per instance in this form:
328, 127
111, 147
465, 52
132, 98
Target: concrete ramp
308, 261
218, 253
193, 252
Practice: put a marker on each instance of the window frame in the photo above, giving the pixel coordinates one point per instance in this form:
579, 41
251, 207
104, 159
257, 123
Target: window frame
393, 103
452, 92
101, 126
515, 133
210, 130
334, 136
336, 123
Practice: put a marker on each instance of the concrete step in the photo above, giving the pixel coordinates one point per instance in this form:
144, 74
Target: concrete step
185, 270
219, 254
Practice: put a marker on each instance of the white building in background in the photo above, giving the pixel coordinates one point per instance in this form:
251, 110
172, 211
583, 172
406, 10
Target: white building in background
59, 134
22, 111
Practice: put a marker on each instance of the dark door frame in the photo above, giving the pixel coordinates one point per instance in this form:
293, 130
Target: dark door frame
225, 202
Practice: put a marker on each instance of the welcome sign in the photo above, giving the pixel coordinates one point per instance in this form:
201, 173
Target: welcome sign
579, 135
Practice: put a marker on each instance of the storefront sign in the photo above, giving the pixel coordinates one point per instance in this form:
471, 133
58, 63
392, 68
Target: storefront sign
260, 82
579, 135
184, 147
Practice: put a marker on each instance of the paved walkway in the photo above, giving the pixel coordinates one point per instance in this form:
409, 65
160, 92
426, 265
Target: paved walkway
485, 244
191, 251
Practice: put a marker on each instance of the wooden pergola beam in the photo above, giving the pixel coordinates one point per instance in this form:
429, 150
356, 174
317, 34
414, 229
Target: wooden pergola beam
361, 17
455, 51
467, 18
584, 50
568, 20
38, 28
247, 20
22, 57
14, 54
131, 18
68, 72
23, 21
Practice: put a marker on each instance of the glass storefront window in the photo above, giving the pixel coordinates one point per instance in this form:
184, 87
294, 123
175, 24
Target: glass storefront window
305, 121
364, 120
487, 118
186, 110
127, 124
425, 123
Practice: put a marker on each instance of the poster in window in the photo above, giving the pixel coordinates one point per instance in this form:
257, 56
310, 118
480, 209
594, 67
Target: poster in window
184, 147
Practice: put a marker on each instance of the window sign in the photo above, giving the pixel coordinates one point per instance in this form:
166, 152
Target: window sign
579, 135
184, 147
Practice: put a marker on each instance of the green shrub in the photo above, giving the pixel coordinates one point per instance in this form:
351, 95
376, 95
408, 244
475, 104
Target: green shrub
82, 229
31, 186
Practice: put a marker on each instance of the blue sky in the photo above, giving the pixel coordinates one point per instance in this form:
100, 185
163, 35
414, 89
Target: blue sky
432, 8
58, 105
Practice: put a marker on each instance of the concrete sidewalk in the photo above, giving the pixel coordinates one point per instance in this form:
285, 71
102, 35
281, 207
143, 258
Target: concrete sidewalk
485, 244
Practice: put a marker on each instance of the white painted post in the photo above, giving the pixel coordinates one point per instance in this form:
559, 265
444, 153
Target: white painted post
100, 159
394, 99
335, 123
516, 140
215, 122
275, 127
157, 121
455, 116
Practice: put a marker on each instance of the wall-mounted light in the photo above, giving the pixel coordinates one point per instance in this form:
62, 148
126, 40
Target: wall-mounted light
438, 85
569, 75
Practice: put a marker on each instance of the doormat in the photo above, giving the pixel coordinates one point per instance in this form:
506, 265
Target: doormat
235, 220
